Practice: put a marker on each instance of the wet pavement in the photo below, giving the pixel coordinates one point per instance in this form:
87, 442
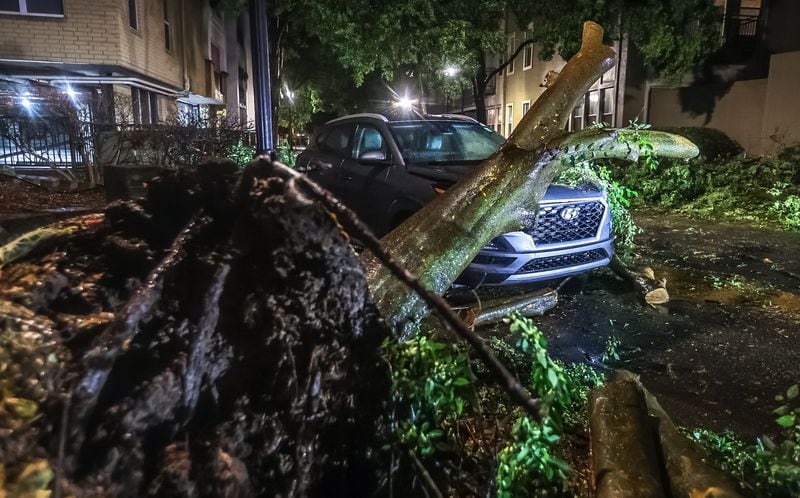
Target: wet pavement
726, 343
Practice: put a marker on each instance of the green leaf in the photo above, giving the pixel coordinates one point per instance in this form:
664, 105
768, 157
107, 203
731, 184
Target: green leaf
781, 410
786, 421
552, 376
793, 392
461, 381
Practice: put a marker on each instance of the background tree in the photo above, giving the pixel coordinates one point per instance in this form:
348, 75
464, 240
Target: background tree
420, 38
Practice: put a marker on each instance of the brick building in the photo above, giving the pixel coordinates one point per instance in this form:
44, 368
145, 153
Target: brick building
165, 58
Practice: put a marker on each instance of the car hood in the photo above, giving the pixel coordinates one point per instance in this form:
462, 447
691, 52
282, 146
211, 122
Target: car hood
447, 175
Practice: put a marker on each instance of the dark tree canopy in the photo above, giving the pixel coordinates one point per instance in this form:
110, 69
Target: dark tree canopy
422, 37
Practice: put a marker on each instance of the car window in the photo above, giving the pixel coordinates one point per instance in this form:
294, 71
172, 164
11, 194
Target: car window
339, 140
441, 142
368, 139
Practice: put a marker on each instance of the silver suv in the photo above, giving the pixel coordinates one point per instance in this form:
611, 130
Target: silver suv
385, 170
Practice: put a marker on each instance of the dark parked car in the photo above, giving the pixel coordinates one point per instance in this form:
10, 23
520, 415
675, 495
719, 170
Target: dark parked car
385, 170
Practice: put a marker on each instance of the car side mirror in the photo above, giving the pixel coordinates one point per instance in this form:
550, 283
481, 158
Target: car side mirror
373, 156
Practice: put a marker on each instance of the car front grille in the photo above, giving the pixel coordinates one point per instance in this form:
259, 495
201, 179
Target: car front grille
563, 261
567, 222
483, 259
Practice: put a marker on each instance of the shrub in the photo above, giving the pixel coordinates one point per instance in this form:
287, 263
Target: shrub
430, 383
772, 469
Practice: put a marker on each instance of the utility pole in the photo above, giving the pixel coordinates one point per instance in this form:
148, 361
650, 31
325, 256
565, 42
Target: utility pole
262, 84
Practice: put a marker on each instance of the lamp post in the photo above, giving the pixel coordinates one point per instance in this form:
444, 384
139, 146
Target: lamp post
262, 85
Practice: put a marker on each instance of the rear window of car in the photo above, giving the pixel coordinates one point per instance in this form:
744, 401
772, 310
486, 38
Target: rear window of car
444, 142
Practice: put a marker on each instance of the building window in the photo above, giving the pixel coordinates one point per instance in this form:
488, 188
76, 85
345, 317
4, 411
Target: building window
219, 76
144, 106
526, 104
509, 119
596, 106
577, 115
133, 20
527, 54
511, 45
33, 7
167, 27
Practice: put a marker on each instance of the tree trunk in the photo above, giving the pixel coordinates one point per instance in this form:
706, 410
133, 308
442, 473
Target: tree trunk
440, 240
423, 107
479, 89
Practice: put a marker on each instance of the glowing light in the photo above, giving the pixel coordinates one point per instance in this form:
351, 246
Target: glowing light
26, 103
450, 71
405, 103
593, 97
71, 93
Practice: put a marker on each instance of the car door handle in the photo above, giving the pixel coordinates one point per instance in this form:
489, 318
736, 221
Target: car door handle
320, 165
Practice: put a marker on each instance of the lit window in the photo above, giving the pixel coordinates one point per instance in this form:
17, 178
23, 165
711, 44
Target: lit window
511, 45
133, 20
527, 55
509, 119
33, 7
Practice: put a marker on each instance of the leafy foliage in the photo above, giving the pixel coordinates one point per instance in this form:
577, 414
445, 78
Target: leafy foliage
285, 154
672, 36
611, 350
528, 465
757, 190
771, 469
241, 154
430, 381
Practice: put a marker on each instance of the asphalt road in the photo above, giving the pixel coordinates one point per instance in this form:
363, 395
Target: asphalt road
727, 342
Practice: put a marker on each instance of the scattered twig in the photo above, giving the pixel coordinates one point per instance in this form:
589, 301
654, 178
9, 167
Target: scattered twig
425, 475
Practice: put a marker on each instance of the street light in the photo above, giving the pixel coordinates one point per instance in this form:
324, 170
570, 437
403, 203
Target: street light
451, 71
71, 93
405, 103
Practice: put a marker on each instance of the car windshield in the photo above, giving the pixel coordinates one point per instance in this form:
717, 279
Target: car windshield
444, 142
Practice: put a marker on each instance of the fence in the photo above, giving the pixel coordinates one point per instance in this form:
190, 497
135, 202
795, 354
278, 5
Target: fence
40, 145
33, 145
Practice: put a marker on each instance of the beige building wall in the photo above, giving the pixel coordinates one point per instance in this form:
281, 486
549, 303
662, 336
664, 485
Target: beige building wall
520, 87
144, 49
87, 34
738, 113
762, 115
781, 123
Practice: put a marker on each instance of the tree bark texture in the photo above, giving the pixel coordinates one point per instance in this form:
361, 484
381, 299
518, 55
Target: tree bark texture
637, 451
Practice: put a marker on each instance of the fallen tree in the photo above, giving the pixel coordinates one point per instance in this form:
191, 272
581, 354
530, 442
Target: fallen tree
442, 238
216, 339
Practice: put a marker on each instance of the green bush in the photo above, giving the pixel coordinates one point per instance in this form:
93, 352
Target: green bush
763, 190
771, 469
430, 383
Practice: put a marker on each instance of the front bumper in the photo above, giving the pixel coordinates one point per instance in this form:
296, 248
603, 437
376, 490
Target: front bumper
505, 268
